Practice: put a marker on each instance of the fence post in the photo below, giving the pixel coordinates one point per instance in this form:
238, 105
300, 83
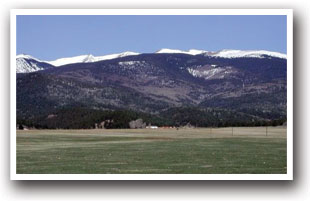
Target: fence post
232, 131
266, 130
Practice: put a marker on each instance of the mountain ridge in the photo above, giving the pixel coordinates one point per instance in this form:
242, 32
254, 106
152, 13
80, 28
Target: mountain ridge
23, 64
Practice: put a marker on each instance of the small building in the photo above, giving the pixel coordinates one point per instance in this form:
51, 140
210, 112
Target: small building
152, 127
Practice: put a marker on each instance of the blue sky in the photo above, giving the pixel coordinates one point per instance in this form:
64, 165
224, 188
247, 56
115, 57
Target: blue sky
51, 37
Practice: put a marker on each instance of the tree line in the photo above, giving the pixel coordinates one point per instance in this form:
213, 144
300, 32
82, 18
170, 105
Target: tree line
84, 118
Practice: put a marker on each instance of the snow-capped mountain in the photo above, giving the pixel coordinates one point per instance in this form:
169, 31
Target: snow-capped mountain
225, 53
26, 56
27, 63
88, 58
70, 60
246, 53
174, 51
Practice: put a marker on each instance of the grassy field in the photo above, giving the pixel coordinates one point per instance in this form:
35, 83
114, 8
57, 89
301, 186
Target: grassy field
207, 151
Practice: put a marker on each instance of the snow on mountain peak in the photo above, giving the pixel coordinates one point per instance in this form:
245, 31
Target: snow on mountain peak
128, 53
170, 51
226, 53
88, 58
24, 63
196, 52
26, 56
114, 56
69, 60
175, 51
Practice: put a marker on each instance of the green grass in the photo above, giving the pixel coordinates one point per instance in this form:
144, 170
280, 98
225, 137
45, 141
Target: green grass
126, 151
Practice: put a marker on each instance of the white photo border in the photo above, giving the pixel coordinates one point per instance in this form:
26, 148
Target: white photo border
287, 176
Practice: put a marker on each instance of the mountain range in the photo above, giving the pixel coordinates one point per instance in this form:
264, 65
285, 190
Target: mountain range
173, 85
27, 63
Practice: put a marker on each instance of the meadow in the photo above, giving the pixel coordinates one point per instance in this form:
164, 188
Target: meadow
258, 150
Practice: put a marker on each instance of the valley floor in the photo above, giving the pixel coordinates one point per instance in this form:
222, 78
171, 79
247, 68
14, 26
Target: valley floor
257, 150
